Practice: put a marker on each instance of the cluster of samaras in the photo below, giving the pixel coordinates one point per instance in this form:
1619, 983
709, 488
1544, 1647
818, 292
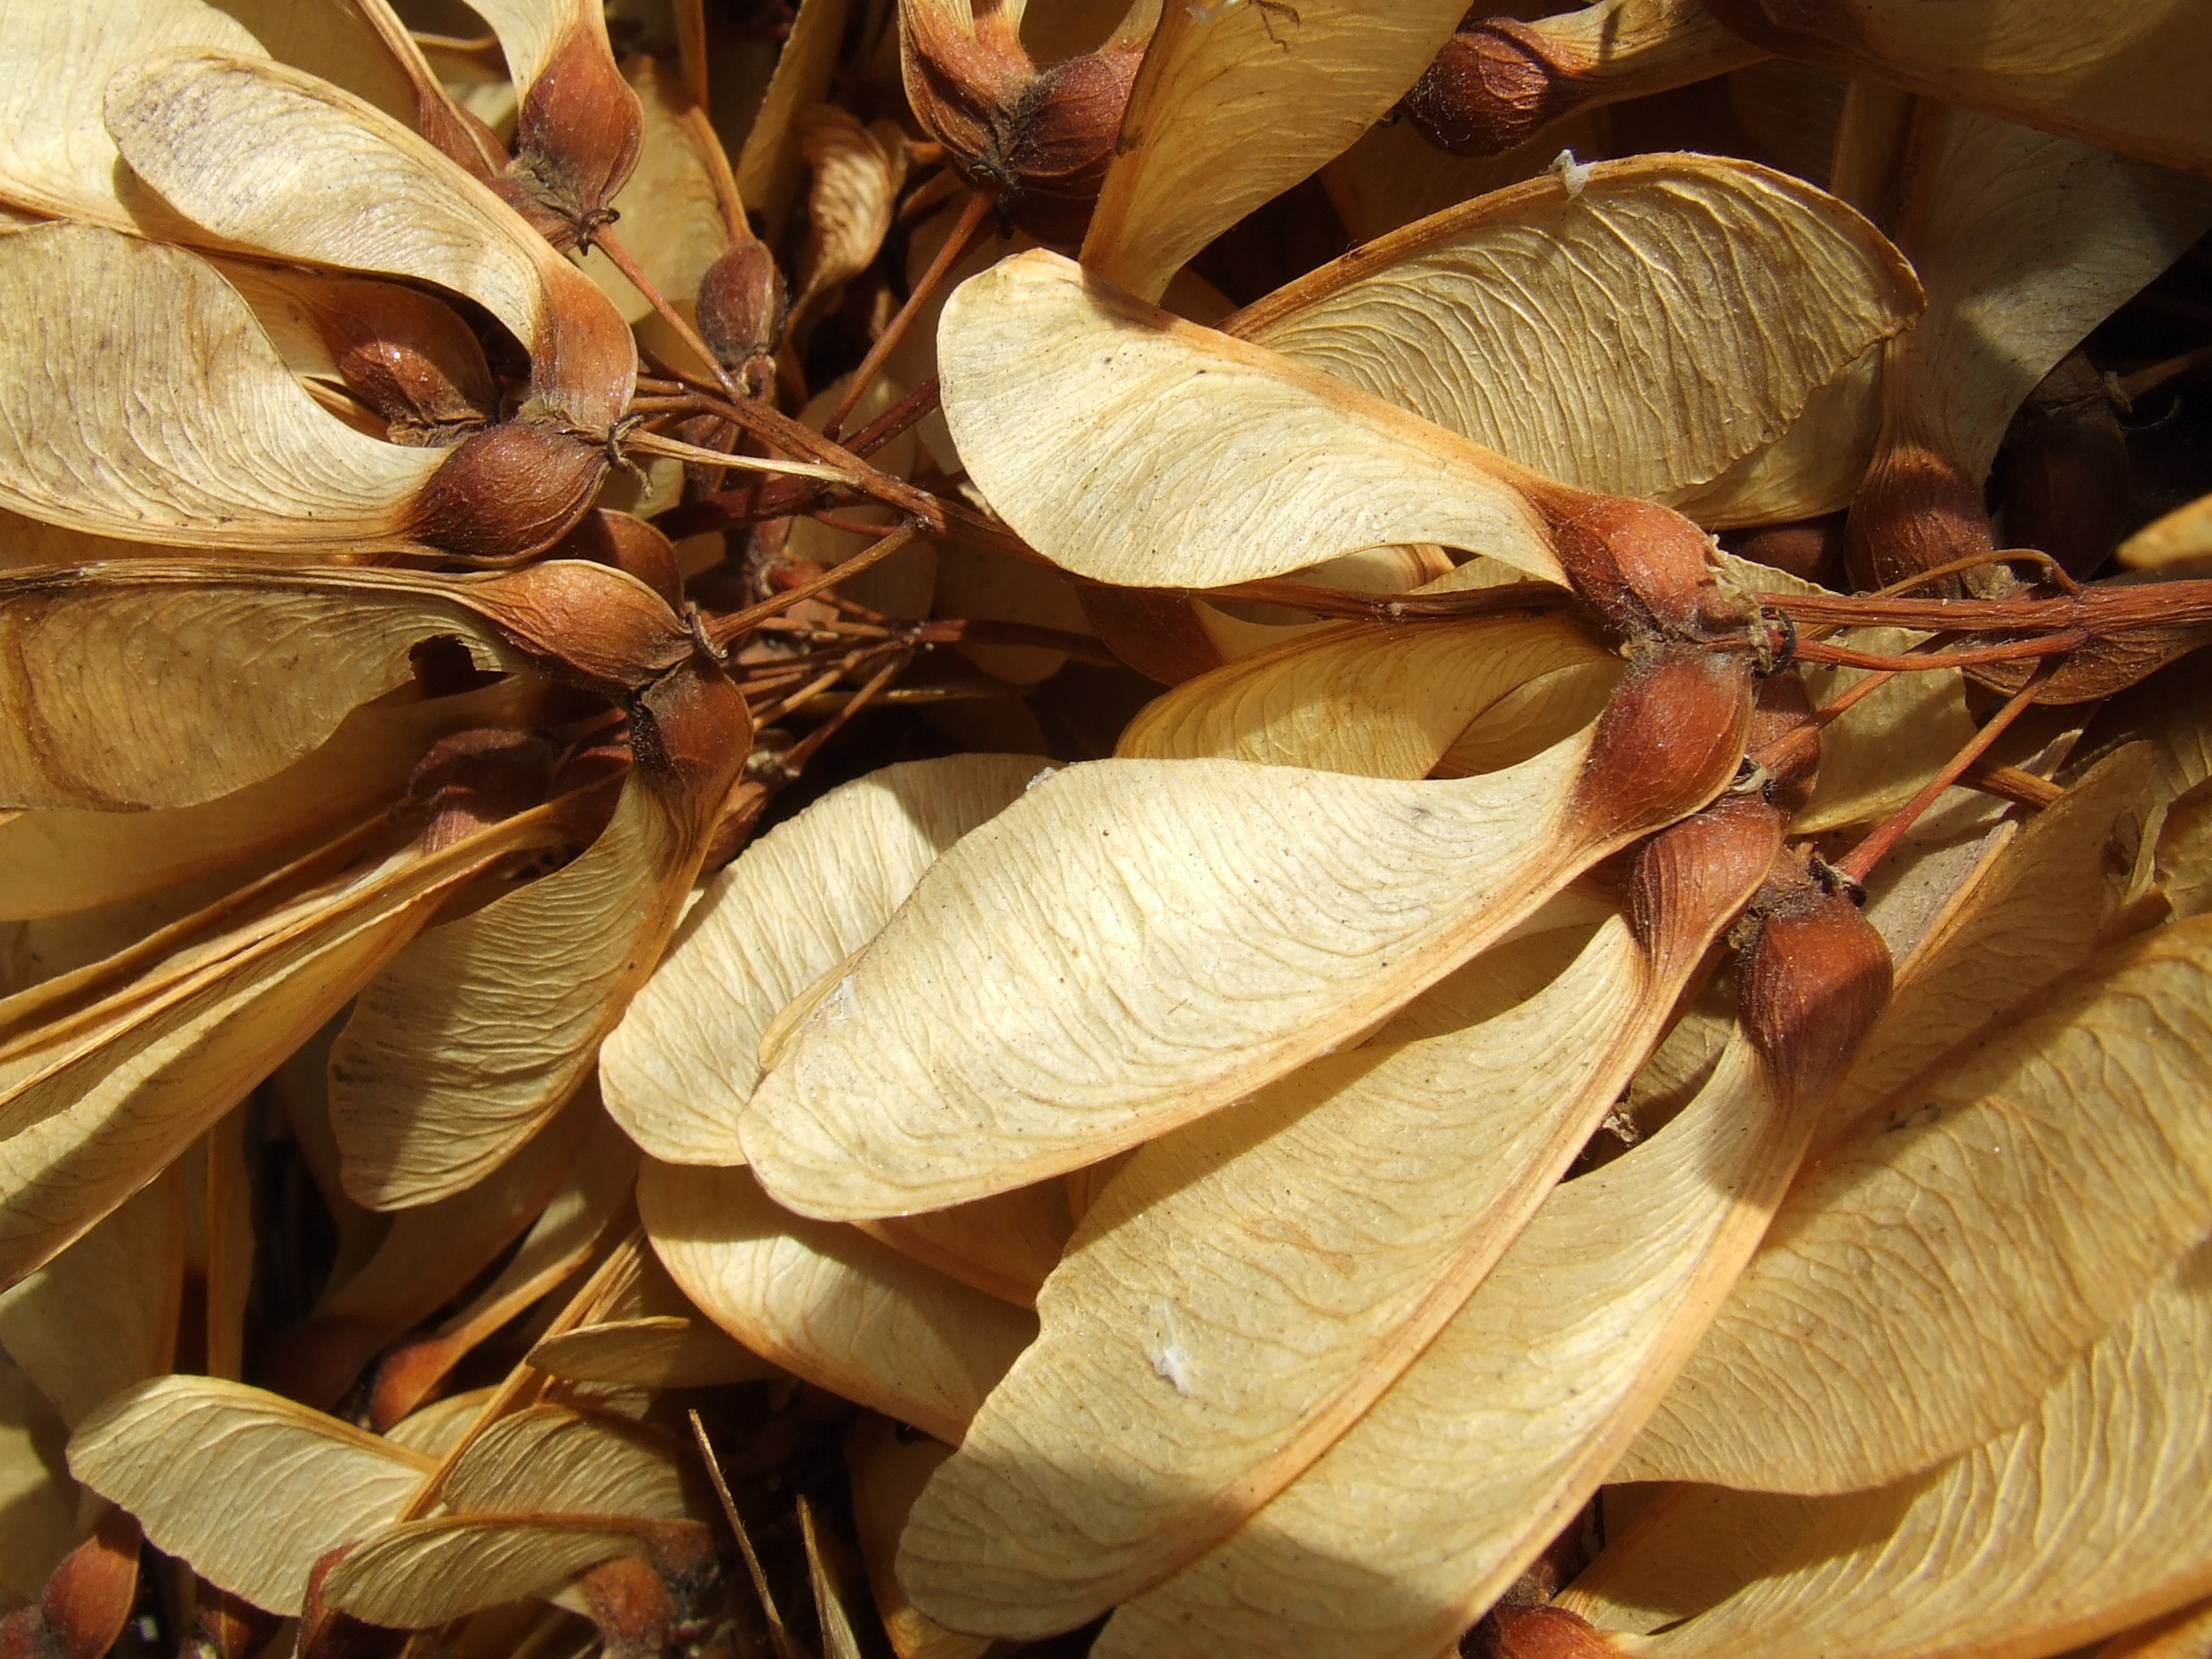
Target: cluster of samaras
1208, 1148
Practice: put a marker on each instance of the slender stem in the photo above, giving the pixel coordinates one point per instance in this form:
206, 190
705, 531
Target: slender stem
2150, 378
979, 203
2010, 783
832, 520
2105, 610
785, 433
786, 1648
821, 683
672, 377
690, 19
1862, 858
2057, 572
832, 629
723, 628
654, 443
611, 244
908, 411
809, 746
2050, 644
1784, 751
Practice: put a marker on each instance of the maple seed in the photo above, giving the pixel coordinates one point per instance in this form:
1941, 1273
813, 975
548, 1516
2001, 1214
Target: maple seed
742, 302
1914, 512
1499, 82
506, 492
1039, 141
1490, 88
411, 359
81, 1612
1511, 1632
1811, 982
1690, 706
576, 139
2067, 480
1643, 567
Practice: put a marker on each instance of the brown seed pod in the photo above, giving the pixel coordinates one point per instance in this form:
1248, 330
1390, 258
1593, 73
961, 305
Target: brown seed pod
1643, 566
1914, 511
1693, 876
1812, 548
508, 492
577, 136
1061, 138
226, 1627
413, 360
628, 545
1666, 743
630, 1605
1782, 709
1812, 981
1500, 80
1490, 88
1040, 140
1510, 1632
593, 625
1156, 633
742, 303
81, 1612
693, 728
472, 780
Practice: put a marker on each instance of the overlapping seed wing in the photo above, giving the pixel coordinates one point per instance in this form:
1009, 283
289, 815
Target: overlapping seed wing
1132, 447
1679, 312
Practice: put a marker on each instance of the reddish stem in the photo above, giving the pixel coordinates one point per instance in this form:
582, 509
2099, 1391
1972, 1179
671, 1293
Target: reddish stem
2101, 611
1918, 662
805, 749
610, 244
908, 411
1863, 858
979, 203
723, 628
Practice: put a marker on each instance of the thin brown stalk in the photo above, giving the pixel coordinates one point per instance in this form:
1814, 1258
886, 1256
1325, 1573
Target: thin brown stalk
911, 409
2050, 644
611, 244
2103, 612
2057, 572
2154, 375
690, 20
1860, 861
821, 683
807, 747
979, 203
829, 519
2010, 783
723, 628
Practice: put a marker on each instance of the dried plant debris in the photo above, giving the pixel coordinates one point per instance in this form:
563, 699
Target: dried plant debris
832, 828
